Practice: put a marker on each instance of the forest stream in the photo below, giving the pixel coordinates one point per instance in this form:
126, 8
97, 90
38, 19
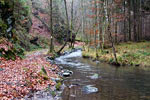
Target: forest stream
34, 37
93, 80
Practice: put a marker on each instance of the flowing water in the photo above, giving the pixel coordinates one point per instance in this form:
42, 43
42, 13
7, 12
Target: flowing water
98, 81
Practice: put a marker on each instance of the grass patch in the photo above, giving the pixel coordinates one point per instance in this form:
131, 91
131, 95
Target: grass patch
127, 54
43, 74
43, 70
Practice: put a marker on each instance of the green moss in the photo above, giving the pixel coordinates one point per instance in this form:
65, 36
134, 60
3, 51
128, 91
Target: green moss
58, 86
3, 26
53, 93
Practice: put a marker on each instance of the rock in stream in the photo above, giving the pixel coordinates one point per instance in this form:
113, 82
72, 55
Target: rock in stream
89, 89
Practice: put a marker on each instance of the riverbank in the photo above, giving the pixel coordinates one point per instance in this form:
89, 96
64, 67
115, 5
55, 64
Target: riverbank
134, 54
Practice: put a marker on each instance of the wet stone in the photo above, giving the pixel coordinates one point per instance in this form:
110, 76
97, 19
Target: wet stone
89, 89
95, 76
97, 62
67, 73
60, 67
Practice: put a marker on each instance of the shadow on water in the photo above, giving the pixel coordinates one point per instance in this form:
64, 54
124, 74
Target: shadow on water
99, 81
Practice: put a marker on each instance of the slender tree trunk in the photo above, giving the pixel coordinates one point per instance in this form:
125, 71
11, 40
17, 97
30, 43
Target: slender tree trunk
139, 21
125, 34
109, 13
89, 37
72, 5
51, 26
141, 24
67, 18
104, 26
129, 18
100, 25
95, 28
135, 23
116, 37
82, 7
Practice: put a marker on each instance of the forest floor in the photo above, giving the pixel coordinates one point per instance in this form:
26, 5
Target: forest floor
134, 54
18, 78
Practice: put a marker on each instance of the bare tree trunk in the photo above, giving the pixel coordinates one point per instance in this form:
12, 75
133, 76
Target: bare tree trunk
110, 34
72, 5
95, 27
67, 18
125, 34
89, 36
103, 35
100, 25
51, 26
112, 44
139, 21
135, 23
141, 24
129, 18
116, 37
82, 19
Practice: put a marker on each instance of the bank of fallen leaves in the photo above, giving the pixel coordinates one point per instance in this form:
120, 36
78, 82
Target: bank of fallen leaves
19, 77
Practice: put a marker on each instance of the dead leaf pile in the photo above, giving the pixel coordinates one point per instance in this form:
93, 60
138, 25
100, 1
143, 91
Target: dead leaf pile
19, 77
